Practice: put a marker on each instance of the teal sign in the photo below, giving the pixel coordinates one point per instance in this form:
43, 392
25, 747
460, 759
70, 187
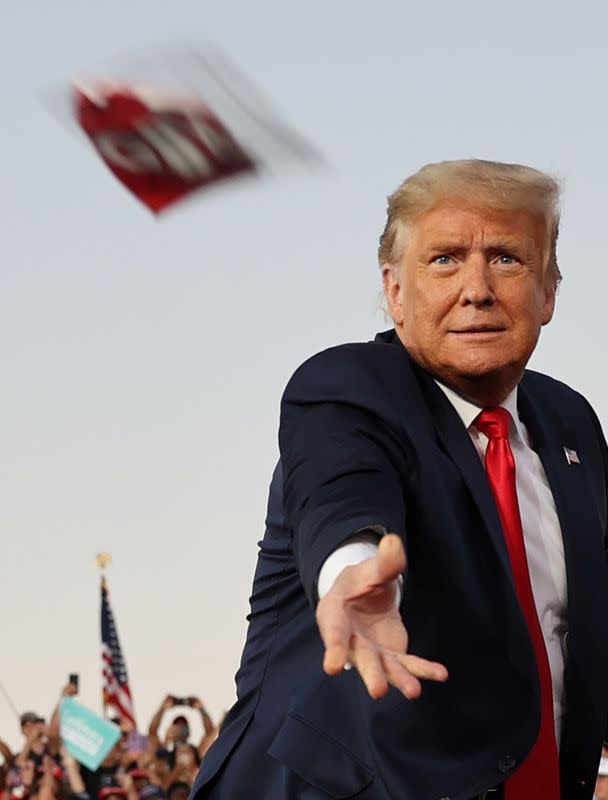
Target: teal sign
87, 736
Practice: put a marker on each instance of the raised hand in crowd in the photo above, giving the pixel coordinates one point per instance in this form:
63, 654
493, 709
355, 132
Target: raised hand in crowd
210, 730
54, 733
153, 737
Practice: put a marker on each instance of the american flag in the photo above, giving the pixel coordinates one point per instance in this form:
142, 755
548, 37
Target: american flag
571, 456
116, 691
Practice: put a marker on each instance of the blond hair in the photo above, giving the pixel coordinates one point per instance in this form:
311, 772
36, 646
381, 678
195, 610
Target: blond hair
491, 184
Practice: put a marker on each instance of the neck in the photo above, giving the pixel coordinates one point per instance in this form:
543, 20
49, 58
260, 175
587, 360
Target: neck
488, 389
482, 394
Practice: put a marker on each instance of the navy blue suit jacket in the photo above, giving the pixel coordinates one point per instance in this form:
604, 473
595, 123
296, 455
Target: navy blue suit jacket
367, 438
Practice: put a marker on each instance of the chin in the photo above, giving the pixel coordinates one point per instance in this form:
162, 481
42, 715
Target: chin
476, 367
479, 363
479, 370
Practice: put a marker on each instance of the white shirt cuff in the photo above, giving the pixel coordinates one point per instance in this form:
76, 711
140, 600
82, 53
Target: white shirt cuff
358, 548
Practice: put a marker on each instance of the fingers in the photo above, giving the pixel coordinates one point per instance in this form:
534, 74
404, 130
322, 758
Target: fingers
405, 673
335, 658
336, 632
369, 663
391, 559
381, 569
421, 668
378, 668
401, 679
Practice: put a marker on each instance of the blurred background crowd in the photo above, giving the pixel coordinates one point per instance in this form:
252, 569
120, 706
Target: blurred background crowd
143, 765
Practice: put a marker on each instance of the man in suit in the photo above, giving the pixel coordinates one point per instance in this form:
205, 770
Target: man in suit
427, 618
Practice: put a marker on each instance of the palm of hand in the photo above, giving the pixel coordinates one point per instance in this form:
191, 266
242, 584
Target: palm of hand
375, 617
361, 625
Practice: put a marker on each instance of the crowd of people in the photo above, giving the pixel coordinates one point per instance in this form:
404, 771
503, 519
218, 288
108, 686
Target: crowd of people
139, 767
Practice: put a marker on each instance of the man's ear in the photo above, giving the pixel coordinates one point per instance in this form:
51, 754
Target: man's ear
392, 292
549, 306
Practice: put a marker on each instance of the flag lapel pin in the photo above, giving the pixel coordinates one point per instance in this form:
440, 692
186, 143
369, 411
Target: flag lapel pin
571, 456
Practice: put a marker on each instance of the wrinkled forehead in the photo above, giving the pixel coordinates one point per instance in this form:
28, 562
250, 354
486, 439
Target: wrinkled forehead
459, 223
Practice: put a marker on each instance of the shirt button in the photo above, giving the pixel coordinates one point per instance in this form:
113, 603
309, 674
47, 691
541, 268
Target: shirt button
506, 764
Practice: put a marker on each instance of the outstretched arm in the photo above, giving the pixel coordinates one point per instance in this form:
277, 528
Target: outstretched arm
346, 468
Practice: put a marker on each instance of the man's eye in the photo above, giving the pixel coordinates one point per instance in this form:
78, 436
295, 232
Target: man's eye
442, 260
507, 260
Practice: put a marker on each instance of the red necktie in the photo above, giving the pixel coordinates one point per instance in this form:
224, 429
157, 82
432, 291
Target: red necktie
538, 776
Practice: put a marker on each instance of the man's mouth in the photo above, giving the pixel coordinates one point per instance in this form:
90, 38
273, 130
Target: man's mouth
479, 329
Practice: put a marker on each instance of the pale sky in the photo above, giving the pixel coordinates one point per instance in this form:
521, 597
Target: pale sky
143, 361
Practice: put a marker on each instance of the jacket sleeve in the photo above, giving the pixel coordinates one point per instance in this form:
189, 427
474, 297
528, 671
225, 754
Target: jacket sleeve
344, 463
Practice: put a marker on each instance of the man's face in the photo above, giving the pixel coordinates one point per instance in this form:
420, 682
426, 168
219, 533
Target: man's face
27, 728
470, 295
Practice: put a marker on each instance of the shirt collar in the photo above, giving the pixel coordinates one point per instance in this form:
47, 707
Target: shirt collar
468, 411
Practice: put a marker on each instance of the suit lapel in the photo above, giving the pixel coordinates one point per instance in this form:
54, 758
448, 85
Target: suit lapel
564, 479
579, 526
568, 486
458, 445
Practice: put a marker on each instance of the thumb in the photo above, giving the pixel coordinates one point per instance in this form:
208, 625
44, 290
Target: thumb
390, 561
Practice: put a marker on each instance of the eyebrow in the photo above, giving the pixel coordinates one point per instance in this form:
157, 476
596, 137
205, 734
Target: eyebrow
447, 246
506, 244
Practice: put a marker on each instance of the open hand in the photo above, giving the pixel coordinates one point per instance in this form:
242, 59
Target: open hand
360, 624
168, 702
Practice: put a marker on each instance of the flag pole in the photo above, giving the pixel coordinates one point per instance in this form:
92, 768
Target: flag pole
115, 682
9, 701
102, 562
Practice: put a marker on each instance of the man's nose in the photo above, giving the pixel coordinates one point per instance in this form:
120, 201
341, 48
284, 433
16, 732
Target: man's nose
477, 284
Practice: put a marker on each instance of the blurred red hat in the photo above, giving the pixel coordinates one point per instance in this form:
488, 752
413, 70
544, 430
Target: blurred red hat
108, 791
138, 773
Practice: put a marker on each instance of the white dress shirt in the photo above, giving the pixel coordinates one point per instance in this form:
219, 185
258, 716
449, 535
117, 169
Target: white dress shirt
542, 536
